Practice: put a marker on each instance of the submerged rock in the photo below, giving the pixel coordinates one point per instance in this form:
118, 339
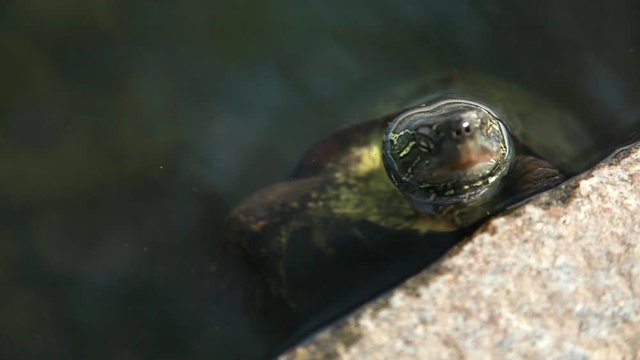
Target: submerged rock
556, 278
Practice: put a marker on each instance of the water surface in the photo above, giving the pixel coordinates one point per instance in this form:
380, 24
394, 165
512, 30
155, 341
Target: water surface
129, 129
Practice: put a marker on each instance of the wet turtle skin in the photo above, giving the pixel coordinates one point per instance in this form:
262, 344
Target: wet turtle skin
442, 165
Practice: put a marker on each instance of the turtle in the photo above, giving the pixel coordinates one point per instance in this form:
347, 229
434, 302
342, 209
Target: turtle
460, 151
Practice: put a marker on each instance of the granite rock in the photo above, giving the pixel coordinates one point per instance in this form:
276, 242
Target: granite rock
557, 278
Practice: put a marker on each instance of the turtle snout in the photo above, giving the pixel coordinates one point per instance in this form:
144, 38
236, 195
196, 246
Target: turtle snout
462, 129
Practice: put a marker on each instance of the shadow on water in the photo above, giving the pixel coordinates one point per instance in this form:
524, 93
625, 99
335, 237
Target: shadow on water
128, 130
354, 273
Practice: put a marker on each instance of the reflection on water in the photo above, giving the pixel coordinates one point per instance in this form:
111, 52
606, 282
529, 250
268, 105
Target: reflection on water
128, 130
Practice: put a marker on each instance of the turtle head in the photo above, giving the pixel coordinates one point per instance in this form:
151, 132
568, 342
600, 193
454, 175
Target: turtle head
450, 152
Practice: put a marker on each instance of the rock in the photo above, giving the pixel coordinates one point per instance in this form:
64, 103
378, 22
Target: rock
557, 278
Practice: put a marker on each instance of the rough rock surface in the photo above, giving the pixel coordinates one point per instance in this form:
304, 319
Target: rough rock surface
558, 278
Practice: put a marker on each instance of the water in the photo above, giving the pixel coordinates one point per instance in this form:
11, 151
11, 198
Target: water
129, 129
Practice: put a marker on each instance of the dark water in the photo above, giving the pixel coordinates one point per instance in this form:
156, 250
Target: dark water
129, 129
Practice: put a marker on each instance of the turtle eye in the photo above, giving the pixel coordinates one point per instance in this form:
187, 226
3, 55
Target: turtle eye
425, 138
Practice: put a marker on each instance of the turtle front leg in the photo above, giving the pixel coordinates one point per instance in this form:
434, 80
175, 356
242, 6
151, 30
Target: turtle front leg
533, 175
530, 175
259, 229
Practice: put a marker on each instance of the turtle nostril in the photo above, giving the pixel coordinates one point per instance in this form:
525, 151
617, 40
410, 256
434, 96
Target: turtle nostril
466, 127
463, 128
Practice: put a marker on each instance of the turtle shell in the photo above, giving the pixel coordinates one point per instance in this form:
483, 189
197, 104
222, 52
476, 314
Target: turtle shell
538, 127
333, 148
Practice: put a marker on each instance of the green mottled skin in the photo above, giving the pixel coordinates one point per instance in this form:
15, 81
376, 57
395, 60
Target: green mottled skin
349, 184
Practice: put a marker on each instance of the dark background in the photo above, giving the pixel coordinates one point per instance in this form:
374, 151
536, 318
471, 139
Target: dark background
128, 129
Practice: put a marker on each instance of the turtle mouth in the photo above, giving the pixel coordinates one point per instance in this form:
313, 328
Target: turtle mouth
473, 163
471, 181
472, 173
